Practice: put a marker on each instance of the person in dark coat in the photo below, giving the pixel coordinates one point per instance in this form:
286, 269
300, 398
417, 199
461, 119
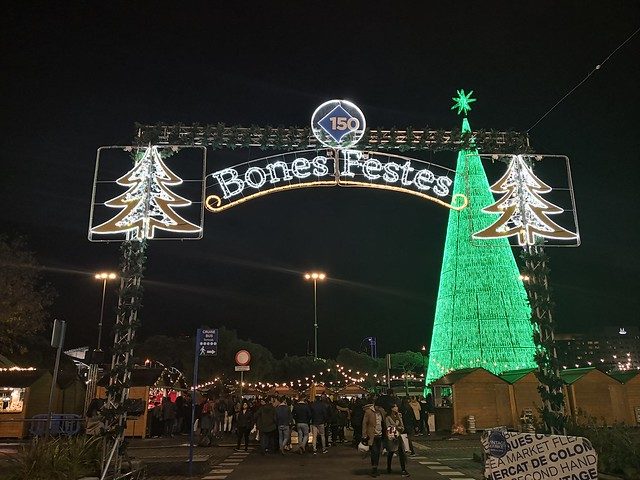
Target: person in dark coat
244, 424
319, 417
266, 424
357, 415
302, 417
409, 420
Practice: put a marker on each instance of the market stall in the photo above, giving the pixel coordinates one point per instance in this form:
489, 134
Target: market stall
472, 392
352, 390
595, 393
631, 388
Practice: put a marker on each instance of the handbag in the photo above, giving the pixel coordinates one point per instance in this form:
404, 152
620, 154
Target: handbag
405, 441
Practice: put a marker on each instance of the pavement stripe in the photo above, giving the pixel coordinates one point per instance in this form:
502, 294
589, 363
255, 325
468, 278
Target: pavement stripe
417, 457
228, 470
439, 467
214, 477
452, 474
429, 463
229, 464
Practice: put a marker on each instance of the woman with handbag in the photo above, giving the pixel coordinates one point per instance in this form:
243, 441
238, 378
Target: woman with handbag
395, 443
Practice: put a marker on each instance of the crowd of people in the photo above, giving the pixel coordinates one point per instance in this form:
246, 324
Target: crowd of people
379, 423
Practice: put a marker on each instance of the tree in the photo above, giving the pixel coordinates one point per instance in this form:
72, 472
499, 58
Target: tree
25, 297
523, 211
148, 203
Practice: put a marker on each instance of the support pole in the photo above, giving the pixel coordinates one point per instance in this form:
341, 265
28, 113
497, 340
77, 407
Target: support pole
193, 404
57, 339
539, 294
114, 412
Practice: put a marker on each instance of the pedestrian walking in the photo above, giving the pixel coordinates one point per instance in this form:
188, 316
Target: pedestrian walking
319, 417
284, 420
394, 442
372, 429
266, 424
244, 423
302, 416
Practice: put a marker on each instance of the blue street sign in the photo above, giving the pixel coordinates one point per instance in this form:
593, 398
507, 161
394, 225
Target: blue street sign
207, 343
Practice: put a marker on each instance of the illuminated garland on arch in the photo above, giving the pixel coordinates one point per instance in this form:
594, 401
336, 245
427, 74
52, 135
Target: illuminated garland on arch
220, 136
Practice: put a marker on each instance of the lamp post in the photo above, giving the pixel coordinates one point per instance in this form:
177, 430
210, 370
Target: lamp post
314, 277
92, 376
104, 276
423, 351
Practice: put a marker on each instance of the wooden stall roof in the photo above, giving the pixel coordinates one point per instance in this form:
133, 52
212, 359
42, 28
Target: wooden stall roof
353, 389
284, 390
20, 378
140, 377
512, 376
572, 375
457, 375
320, 389
6, 363
624, 377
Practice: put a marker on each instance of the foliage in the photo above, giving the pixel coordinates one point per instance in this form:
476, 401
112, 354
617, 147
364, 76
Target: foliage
291, 138
407, 362
539, 295
25, 297
57, 459
618, 446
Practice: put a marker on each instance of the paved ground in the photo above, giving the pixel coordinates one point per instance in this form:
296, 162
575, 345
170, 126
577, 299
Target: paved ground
436, 459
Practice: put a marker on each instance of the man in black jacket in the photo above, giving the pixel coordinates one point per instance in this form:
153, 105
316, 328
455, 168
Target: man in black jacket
302, 417
319, 417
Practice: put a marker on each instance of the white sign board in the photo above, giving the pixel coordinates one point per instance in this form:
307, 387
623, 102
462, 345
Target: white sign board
242, 368
530, 456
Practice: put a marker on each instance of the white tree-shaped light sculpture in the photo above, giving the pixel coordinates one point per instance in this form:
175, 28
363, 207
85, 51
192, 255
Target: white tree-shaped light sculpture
148, 203
523, 211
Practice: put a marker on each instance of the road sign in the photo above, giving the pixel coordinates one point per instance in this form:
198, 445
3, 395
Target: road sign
243, 357
207, 342
242, 368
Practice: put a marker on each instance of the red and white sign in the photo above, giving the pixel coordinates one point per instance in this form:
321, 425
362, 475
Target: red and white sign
243, 357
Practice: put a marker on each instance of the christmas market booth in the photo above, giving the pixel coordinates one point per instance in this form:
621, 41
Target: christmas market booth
472, 397
148, 388
285, 390
318, 389
595, 394
24, 393
631, 386
352, 390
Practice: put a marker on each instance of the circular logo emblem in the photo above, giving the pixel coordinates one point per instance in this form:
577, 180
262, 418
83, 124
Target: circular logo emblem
243, 357
498, 446
338, 124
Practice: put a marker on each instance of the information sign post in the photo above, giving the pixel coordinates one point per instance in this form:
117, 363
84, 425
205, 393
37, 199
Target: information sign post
206, 346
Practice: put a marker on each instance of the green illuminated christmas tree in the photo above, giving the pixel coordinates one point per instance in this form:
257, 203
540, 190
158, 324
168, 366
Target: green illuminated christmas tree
482, 315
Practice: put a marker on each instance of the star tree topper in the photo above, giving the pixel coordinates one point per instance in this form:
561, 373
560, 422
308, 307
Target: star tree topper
462, 102
149, 203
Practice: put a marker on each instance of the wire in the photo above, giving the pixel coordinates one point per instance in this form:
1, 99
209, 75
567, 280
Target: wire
596, 68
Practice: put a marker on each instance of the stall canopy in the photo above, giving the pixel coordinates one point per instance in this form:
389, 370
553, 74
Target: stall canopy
284, 390
140, 377
320, 389
352, 390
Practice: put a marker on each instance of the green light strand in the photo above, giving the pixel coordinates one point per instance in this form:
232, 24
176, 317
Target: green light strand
482, 315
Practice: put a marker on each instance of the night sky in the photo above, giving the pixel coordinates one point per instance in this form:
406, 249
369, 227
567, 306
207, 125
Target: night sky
78, 76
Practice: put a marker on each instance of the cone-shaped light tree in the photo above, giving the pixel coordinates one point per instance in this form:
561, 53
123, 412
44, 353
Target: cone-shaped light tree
482, 315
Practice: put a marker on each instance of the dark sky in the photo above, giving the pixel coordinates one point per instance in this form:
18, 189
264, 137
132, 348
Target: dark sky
77, 76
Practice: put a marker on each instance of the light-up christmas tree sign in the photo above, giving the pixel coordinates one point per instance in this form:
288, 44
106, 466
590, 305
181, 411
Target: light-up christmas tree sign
523, 209
149, 203
482, 316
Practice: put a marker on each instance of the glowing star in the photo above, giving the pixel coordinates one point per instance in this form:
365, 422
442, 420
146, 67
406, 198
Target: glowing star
462, 102
148, 203
523, 211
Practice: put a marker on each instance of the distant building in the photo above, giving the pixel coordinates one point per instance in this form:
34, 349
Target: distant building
611, 349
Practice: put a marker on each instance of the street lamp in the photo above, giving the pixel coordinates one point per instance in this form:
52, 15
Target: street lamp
104, 276
314, 277
423, 351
